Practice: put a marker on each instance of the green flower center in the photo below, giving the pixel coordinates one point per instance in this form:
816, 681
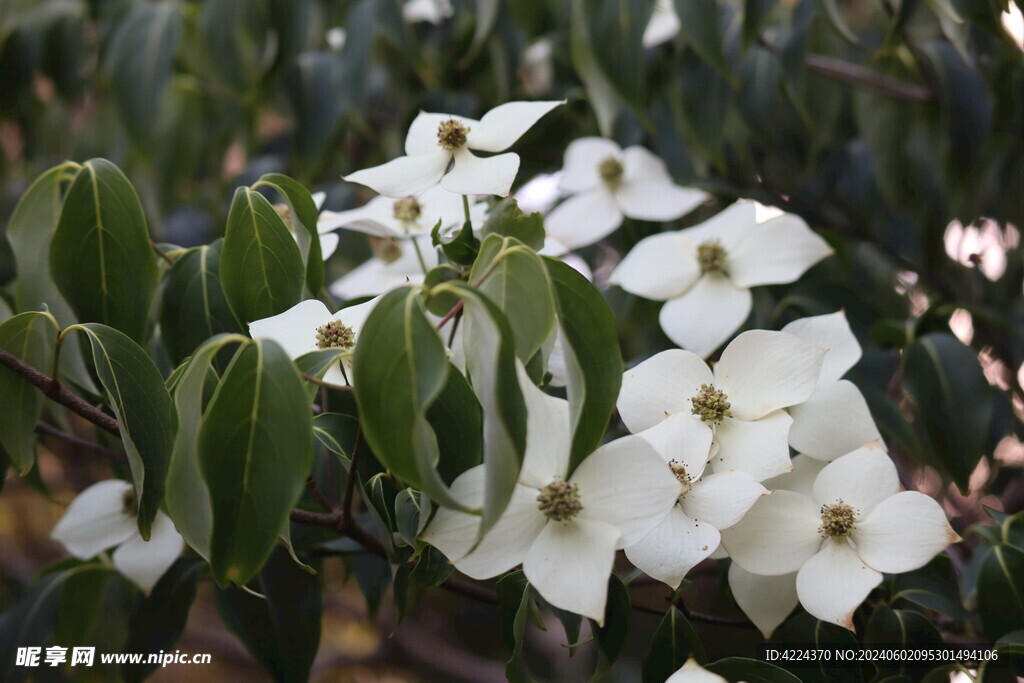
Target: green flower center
610, 171
407, 209
335, 335
710, 405
386, 249
680, 471
130, 504
711, 257
451, 134
560, 501
837, 520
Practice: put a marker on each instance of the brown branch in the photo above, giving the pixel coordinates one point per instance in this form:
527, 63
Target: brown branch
448, 316
49, 430
699, 616
55, 391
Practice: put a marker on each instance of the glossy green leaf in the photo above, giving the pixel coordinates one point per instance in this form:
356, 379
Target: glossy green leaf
100, 257
30, 337
260, 263
834, 14
1001, 591
462, 248
674, 642
889, 628
591, 349
750, 671
506, 219
137, 395
700, 27
513, 609
613, 637
457, 420
194, 307
255, 452
938, 373
616, 28
755, 12
301, 219
603, 98
232, 45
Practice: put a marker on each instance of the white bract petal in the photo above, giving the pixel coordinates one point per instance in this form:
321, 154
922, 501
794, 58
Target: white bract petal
649, 200
328, 245
762, 371
582, 159
584, 219
662, 27
376, 276
477, 175
433, 11
682, 440
376, 217
692, 672
801, 479
759, 448
98, 518
706, 315
777, 536
831, 332
903, 533
661, 386
861, 479
834, 582
722, 499
766, 600
675, 546
659, 267
728, 227
569, 565
502, 126
294, 330
778, 251
423, 138
548, 435
145, 562
835, 420
406, 175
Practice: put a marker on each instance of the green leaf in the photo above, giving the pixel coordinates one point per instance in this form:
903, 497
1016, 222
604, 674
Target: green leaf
514, 278
100, 256
1001, 591
601, 94
838, 21
616, 29
613, 637
302, 217
457, 420
144, 411
674, 642
486, 18
194, 308
593, 364
508, 220
282, 629
890, 628
140, 60
755, 12
700, 27
158, 620
412, 512
750, 670
462, 248
513, 609
260, 264
953, 403
255, 452
30, 337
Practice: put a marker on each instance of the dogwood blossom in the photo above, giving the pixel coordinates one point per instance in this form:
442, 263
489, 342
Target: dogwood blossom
395, 263
663, 25
433, 11
308, 326
690, 532
563, 527
405, 217
103, 516
328, 241
855, 525
760, 373
835, 419
437, 149
607, 183
704, 273
692, 672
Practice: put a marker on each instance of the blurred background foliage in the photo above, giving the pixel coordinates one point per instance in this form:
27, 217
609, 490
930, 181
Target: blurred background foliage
894, 127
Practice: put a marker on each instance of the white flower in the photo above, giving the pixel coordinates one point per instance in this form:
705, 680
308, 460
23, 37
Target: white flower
835, 419
406, 217
328, 240
664, 24
692, 672
563, 529
395, 263
308, 326
607, 183
104, 515
855, 525
705, 273
690, 532
434, 11
760, 373
438, 150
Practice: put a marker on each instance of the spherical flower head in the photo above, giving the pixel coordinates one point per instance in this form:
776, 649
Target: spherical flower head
451, 134
838, 520
711, 257
710, 405
408, 209
611, 171
130, 503
560, 501
335, 335
386, 249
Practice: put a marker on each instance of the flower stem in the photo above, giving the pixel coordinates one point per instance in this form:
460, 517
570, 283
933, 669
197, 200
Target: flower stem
419, 255
465, 207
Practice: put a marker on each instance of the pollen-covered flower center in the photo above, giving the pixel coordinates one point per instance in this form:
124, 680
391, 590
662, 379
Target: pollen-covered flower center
837, 520
386, 249
711, 257
335, 335
451, 134
710, 405
610, 171
407, 209
560, 501
680, 472
130, 503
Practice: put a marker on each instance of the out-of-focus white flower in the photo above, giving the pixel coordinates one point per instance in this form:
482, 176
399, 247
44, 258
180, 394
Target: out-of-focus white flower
105, 515
308, 326
760, 373
704, 273
855, 525
406, 217
395, 263
664, 24
690, 532
538, 69
563, 527
835, 419
607, 183
692, 672
982, 245
336, 38
539, 193
434, 11
437, 149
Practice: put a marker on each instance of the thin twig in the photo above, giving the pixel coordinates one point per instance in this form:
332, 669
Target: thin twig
50, 430
448, 316
319, 495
